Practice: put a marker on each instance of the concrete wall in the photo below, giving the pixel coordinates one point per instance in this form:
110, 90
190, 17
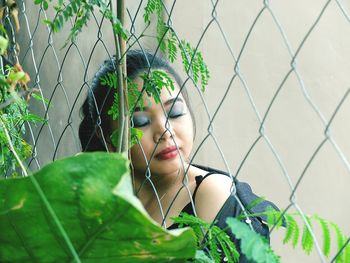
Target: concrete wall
297, 104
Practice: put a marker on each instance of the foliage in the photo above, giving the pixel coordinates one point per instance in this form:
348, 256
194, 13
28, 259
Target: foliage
154, 81
80, 12
295, 234
192, 58
13, 113
83, 208
253, 245
209, 236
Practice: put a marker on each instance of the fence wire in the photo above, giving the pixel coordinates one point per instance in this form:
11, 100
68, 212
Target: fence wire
220, 30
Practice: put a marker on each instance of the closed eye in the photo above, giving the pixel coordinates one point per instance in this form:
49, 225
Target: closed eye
140, 121
177, 110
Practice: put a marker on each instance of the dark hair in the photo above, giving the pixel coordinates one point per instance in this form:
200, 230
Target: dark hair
100, 97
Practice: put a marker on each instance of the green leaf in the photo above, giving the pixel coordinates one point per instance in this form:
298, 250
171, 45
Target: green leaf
201, 257
194, 64
92, 198
253, 246
136, 135
228, 247
114, 138
38, 97
16, 76
292, 231
347, 253
255, 202
110, 80
307, 242
33, 118
3, 44
214, 250
45, 5
326, 235
172, 49
150, 8
114, 110
48, 22
340, 241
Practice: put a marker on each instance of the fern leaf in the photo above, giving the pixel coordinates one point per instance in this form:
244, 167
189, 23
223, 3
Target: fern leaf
149, 9
347, 253
185, 55
255, 202
271, 217
204, 72
161, 32
292, 232
340, 242
172, 49
307, 242
214, 250
228, 247
114, 110
109, 80
254, 246
198, 225
326, 235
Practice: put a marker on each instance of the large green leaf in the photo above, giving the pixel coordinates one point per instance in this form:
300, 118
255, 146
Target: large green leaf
83, 206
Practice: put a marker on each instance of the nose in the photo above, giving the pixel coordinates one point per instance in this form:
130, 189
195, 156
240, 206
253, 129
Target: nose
162, 130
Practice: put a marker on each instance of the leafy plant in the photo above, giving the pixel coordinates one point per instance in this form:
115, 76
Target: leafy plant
192, 58
295, 234
253, 245
82, 208
80, 12
13, 114
210, 237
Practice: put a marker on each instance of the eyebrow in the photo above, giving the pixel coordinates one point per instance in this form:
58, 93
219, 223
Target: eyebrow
172, 101
167, 103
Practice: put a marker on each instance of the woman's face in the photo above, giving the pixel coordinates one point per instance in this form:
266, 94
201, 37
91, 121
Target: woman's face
166, 142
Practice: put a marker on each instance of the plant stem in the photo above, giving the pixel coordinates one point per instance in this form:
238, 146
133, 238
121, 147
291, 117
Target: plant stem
12, 148
120, 44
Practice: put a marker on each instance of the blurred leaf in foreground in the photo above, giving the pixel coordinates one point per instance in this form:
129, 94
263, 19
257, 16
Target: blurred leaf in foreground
83, 208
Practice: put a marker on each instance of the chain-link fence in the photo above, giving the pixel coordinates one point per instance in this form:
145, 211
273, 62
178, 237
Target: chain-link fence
275, 113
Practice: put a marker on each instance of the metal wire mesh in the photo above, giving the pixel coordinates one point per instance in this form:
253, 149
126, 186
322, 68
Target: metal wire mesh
275, 113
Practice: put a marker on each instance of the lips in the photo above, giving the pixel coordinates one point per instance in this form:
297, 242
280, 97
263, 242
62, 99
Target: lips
167, 153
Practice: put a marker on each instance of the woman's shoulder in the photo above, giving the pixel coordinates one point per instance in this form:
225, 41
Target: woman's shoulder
212, 190
216, 188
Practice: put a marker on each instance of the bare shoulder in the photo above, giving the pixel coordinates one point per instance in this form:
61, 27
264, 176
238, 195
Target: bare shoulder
211, 195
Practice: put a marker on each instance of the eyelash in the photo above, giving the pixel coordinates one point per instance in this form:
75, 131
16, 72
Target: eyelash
148, 122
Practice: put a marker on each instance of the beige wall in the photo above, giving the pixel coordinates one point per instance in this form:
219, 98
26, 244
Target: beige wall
293, 127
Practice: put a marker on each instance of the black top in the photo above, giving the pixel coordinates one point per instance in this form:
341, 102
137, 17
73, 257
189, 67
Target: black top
231, 207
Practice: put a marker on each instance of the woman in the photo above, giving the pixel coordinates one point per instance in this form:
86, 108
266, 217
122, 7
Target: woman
164, 180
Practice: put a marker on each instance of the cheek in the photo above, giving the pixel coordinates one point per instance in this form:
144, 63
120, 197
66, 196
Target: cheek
187, 134
136, 154
140, 152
